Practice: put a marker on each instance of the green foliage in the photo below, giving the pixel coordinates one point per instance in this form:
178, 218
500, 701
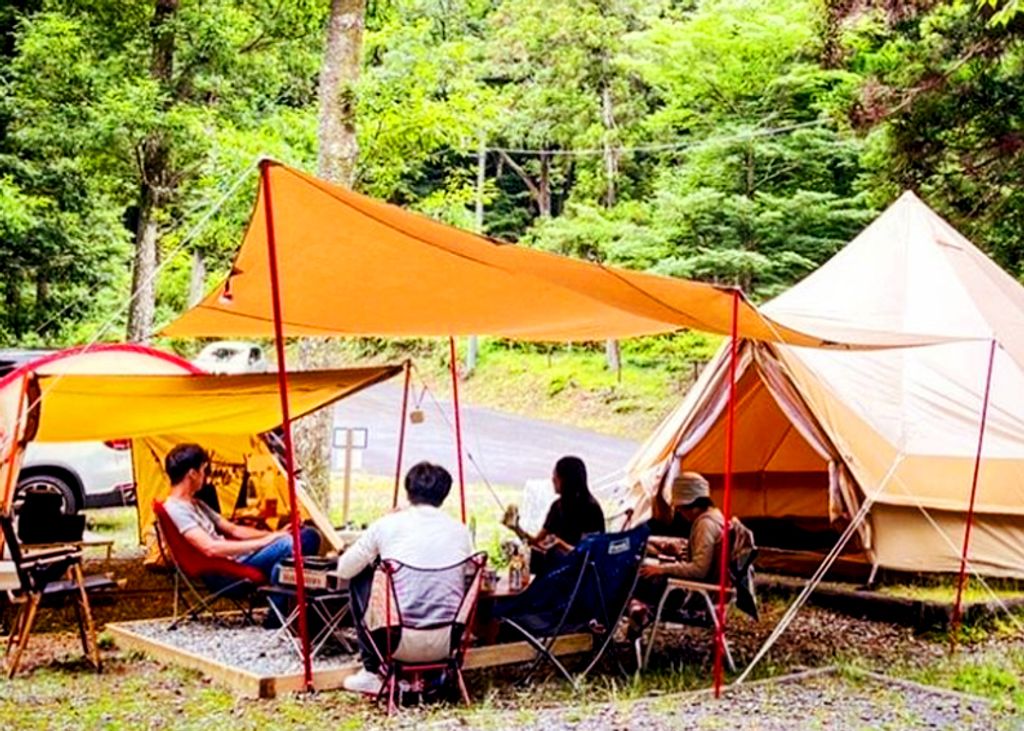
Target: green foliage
733, 141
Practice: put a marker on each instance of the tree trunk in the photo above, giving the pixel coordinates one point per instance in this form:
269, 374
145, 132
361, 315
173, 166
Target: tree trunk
197, 279
611, 153
611, 169
544, 186
153, 159
339, 73
336, 161
42, 301
12, 303
143, 305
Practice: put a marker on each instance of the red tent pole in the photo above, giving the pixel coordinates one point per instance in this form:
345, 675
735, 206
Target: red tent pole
458, 425
962, 581
401, 434
286, 422
730, 433
12, 449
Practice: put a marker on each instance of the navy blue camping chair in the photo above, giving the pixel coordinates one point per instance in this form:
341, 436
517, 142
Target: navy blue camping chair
589, 591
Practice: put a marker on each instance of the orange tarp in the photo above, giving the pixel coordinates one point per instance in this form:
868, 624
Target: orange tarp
352, 265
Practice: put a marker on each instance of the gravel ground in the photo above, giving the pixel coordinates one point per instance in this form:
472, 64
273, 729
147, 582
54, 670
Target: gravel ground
255, 649
826, 701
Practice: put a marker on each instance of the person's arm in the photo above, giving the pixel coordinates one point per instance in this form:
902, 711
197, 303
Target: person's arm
226, 547
239, 532
360, 554
702, 546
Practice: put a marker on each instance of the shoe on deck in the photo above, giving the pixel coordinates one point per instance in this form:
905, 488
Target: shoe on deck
363, 682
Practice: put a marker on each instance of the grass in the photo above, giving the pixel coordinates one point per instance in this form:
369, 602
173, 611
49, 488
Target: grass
946, 592
996, 673
120, 524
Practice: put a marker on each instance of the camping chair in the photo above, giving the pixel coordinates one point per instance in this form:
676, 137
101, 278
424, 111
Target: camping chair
225, 578
41, 575
742, 555
588, 592
418, 621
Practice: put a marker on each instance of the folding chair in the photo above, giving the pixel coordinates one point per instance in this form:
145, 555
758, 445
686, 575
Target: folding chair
419, 620
588, 592
741, 563
41, 577
225, 578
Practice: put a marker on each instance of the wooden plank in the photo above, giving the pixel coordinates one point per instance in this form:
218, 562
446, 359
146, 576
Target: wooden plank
250, 685
491, 656
243, 682
329, 679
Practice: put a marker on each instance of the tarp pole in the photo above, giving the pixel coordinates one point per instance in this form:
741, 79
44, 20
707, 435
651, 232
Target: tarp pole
458, 425
730, 428
286, 423
962, 580
401, 433
13, 442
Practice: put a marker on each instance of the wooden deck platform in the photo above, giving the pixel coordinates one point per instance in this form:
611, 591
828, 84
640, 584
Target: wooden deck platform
251, 685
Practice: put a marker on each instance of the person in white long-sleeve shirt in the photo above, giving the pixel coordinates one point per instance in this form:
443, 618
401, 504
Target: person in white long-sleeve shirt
420, 535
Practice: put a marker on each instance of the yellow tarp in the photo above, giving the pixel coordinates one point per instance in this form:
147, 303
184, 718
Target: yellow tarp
351, 265
100, 407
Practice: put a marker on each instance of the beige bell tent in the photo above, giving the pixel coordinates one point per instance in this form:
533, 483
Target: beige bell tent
822, 434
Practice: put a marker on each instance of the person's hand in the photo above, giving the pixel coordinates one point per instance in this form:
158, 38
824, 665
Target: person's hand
511, 517
649, 570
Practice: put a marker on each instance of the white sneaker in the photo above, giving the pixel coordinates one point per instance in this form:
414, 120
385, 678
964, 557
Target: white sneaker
363, 682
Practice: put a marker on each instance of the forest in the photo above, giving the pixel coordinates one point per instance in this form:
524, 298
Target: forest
733, 141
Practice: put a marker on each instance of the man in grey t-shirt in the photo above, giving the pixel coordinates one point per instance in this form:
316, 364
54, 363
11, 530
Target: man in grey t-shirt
187, 466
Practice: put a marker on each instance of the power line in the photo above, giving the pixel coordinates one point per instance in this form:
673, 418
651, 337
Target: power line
662, 147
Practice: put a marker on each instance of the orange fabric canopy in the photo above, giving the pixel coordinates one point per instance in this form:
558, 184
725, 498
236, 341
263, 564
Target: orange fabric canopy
352, 265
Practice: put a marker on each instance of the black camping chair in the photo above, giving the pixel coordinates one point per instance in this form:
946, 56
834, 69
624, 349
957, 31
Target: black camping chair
588, 592
41, 576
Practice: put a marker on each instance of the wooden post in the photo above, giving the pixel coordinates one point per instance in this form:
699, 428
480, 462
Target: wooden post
347, 490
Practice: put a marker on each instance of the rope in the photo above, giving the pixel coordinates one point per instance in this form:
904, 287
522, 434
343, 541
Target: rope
663, 147
819, 574
451, 427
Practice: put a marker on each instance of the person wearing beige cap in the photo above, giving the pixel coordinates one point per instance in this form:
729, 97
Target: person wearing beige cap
689, 495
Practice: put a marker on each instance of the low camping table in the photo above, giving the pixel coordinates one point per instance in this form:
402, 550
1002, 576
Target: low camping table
331, 606
484, 626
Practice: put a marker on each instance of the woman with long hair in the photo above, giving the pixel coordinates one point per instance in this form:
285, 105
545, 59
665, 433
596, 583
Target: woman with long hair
574, 514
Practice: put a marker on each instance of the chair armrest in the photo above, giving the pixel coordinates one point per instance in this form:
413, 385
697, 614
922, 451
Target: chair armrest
48, 555
690, 585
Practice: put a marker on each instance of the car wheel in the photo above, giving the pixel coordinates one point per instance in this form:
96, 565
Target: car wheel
48, 484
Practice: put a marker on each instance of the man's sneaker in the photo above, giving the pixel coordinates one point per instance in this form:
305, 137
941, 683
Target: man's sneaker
363, 682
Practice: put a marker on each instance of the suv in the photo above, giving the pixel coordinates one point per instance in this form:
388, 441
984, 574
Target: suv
84, 474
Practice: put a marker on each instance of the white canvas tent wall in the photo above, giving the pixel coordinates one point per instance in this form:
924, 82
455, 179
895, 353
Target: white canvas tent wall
818, 431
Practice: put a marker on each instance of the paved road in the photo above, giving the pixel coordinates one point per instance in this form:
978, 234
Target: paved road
508, 449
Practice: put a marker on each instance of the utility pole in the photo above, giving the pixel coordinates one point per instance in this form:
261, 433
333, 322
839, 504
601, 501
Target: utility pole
481, 179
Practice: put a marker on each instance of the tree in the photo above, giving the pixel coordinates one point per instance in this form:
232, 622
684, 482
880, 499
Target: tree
941, 101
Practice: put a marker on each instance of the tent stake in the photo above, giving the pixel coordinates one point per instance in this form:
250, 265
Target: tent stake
458, 425
954, 627
723, 577
401, 433
286, 423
